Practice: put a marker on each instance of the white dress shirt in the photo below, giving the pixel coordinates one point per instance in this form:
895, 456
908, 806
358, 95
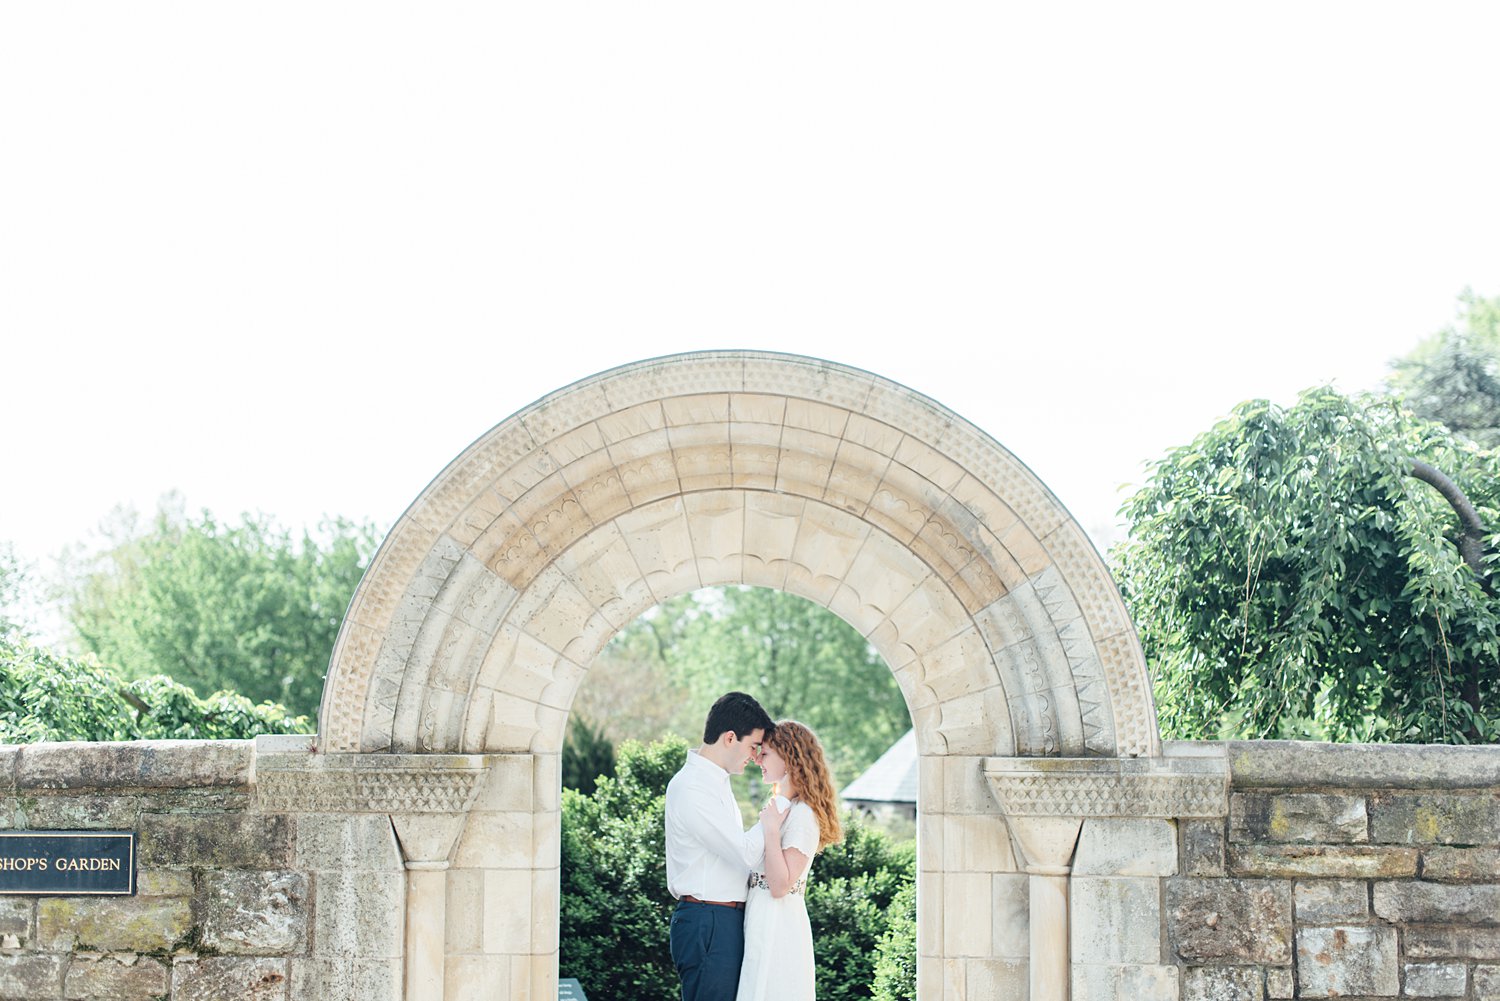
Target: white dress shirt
709, 853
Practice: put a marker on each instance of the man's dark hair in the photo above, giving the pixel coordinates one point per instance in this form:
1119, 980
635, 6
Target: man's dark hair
738, 712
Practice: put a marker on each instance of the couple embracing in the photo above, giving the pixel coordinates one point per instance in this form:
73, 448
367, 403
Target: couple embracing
740, 930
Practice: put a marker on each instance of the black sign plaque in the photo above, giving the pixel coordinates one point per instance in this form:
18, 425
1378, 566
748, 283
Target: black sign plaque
67, 863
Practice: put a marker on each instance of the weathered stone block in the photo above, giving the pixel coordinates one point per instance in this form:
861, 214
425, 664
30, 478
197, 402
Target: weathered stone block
30, 977
108, 924
82, 812
1318, 861
334, 842
1435, 980
163, 883
1121, 847
1434, 818
1222, 983
1323, 901
1125, 983
995, 978
1011, 916
1115, 920
255, 913
1358, 961
218, 978
1461, 865
145, 764
1297, 817
1230, 920
216, 841
17, 915
115, 978
1487, 983
473, 978
10, 754
495, 841
1458, 943
375, 980
1438, 903
1280, 984
1202, 847
378, 898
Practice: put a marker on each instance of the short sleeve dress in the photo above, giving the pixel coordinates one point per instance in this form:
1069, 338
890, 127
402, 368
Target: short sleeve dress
778, 939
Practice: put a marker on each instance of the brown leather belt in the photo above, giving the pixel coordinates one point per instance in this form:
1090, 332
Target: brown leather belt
688, 898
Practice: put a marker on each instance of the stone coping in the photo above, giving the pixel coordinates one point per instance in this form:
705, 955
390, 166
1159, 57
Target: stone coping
1280, 764
143, 764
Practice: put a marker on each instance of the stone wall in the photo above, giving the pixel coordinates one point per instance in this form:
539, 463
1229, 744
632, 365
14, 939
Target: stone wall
1218, 872
232, 902
1366, 872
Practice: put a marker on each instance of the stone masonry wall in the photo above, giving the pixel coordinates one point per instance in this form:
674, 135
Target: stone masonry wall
1355, 872
231, 902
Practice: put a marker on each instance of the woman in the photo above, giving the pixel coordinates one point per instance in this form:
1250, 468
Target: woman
800, 820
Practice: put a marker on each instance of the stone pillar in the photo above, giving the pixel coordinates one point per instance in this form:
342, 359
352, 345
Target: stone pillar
1116, 931
1047, 844
426, 842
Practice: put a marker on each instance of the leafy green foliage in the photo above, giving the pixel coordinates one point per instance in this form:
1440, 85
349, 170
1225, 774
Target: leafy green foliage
615, 906
1453, 377
1289, 579
218, 606
849, 902
47, 697
797, 658
586, 755
896, 955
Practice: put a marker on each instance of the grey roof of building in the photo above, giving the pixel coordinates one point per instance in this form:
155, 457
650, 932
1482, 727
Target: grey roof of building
892, 778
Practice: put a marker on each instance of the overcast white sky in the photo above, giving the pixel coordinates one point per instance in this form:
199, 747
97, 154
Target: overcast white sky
294, 256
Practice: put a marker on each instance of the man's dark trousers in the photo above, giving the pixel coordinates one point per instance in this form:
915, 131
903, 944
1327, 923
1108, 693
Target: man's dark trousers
708, 945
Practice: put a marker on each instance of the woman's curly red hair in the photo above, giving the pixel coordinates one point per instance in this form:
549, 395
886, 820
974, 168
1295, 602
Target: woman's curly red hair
808, 769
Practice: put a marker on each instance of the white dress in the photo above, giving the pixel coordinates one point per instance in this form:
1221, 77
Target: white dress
778, 939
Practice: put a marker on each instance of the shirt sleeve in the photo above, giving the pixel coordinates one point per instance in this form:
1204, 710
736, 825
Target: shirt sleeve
801, 831
704, 817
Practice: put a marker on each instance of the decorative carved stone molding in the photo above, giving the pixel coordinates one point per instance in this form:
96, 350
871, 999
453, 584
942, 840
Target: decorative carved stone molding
1111, 787
478, 618
368, 783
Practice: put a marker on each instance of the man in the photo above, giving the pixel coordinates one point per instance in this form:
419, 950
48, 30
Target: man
709, 853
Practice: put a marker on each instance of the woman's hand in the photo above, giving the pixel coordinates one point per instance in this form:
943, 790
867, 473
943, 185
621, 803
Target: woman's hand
771, 817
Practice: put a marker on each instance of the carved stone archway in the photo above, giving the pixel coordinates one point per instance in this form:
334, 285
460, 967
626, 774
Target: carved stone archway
480, 615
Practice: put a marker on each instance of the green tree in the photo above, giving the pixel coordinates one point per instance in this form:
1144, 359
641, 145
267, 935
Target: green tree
800, 661
241, 606
1290, 578
586, 755
45, 696
1453, 377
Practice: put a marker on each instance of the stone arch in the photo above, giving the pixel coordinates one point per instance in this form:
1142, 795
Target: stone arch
479, 616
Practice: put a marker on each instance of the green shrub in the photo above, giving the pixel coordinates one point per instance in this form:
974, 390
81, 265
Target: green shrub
896, 956
45, 696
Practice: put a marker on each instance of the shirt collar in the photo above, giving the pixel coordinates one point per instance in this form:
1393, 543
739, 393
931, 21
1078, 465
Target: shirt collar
701, 763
